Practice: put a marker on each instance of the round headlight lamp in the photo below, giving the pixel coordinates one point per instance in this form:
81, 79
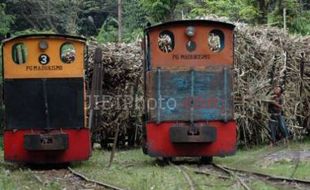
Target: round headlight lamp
43, 45
190, 31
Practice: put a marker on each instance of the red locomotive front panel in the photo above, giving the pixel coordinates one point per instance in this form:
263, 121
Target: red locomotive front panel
188, 87
40, 147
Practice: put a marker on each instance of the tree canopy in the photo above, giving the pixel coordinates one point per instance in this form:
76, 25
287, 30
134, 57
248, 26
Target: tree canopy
99, 18
5, 20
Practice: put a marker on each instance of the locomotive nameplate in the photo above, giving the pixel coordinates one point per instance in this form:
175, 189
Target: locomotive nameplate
45, 68
190, 56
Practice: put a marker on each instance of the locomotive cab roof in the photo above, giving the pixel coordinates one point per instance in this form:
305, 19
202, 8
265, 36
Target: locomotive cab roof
190, 22
76, 38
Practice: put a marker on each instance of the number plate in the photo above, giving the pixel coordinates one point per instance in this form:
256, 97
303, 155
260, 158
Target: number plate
44, 59
180, 134
46, 142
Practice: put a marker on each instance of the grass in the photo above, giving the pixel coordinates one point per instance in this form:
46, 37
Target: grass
22, 179
15, 177
139, 172
131, 169
253, 160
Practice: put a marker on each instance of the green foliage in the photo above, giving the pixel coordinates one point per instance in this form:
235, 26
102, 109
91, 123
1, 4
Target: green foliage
33, 31
58, 16
93, 17
164, 10
134, 20
158, 10
301, 24
243, 10
5, 20
298, 20
108, 31
133, 35
93, 14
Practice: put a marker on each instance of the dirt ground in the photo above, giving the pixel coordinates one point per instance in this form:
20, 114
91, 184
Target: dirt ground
64, 178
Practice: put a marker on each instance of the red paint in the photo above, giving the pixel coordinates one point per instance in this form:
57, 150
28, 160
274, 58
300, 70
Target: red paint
159, 144
79, 147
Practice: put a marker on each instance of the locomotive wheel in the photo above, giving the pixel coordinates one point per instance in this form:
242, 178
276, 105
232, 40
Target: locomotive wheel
167, 160
206, 160
144, 146
104, 141
92, 144
131, 139
104, 144
144, 149
164, 161
121, 142
131, 135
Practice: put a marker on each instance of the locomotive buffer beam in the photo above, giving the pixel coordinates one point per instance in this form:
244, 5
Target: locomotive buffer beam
180, 134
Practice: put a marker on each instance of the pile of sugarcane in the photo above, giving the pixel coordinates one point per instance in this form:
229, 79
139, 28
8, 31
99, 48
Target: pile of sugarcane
264, 57
120, 98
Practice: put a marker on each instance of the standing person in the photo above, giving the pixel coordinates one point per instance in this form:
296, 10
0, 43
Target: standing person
277, 122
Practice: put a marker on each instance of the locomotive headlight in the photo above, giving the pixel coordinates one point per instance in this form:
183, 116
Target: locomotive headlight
190, 31
43, 45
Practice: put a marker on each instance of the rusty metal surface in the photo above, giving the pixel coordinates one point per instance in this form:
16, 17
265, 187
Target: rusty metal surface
190, 95
180, 134
46, 142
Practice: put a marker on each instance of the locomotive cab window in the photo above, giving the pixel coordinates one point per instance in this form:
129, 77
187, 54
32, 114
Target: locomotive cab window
216, 40
19, 53
166, 41
67, 53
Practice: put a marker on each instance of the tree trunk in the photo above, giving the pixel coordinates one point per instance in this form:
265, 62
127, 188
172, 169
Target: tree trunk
120, 28
263, 9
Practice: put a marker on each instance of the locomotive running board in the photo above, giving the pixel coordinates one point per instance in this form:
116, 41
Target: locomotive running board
180, 134
46, 142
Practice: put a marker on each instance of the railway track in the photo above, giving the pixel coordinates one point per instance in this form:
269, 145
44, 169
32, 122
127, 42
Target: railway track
245, 177
99, 184
187, 177
240, 178
70, 179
